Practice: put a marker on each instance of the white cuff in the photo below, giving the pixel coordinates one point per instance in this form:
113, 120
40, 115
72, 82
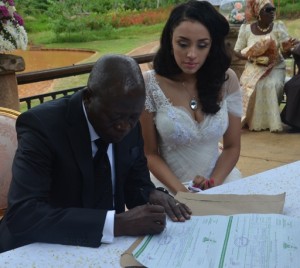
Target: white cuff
108, 229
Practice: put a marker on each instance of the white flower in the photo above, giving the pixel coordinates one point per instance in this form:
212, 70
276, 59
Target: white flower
12, 33
11, 10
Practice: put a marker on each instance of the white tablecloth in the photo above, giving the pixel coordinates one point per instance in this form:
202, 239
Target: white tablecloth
275, 181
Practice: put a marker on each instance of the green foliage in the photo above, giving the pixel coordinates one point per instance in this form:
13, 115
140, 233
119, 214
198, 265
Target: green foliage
290, 10
32, 7
38, 23
283, 3
107, 37
86, 36
102, 6
287, 8
73, 21
83, 19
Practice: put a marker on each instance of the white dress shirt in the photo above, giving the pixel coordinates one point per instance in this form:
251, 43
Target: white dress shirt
108, 229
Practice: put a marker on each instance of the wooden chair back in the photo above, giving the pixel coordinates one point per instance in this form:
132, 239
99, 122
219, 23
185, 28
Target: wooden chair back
8, 146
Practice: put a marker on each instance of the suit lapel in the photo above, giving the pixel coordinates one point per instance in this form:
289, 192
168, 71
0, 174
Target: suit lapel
81, 145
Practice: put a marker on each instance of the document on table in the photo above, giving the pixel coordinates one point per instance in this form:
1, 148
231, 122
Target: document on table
243, 240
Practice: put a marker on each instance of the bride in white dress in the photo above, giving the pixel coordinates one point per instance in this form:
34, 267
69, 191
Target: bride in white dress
192, 101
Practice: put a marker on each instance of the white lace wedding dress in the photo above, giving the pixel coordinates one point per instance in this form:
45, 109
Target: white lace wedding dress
188, 147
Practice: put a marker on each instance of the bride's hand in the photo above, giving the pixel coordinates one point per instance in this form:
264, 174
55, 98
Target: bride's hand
203, 183
198, 181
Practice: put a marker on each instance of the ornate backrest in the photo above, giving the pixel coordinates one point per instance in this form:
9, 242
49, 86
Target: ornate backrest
8, 146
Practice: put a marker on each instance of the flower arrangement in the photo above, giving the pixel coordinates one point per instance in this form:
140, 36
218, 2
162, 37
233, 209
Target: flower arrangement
12, 33
233, 10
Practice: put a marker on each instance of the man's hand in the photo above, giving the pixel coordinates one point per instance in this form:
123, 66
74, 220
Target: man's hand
175, 210
142, 220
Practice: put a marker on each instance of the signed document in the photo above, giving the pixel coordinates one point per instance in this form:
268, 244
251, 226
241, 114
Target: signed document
242, 240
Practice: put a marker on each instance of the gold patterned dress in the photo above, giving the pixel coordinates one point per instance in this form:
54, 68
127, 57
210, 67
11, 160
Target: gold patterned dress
262, 86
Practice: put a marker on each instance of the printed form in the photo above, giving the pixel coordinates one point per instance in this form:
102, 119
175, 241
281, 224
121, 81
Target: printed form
242, 240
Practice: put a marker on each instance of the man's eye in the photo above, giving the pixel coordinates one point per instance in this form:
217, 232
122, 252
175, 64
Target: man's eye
116, 119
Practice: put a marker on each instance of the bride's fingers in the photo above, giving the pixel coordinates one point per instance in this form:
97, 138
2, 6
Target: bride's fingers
198, 181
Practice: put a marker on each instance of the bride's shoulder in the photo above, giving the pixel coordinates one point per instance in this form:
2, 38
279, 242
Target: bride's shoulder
231, 76
151, 82
148, 75
231, 83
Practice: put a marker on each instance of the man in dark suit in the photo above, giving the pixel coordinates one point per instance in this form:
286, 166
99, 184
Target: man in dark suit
54, 196
290, 114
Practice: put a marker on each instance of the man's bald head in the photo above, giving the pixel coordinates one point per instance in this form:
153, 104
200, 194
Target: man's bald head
115, 96
115, 75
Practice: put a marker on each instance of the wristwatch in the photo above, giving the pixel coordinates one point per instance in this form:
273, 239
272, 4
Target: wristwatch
162, 189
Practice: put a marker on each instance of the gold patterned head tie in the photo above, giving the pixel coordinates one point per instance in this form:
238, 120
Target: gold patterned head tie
253, 7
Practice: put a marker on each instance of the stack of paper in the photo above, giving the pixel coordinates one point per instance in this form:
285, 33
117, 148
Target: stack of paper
233, 231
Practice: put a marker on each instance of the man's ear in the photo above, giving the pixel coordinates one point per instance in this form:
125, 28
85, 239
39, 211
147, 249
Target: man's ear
87, 93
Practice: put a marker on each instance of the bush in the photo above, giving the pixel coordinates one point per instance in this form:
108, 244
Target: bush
145, 17
289, 10
69, 26
39, 23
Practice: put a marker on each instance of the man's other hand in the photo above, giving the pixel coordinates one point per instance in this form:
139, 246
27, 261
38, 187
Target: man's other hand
175, 210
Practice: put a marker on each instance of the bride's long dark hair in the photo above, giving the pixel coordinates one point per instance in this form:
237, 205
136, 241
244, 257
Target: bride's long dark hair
211, 76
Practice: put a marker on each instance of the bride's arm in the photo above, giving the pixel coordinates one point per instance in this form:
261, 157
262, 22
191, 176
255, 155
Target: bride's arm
231, 150
232, 137
156, 164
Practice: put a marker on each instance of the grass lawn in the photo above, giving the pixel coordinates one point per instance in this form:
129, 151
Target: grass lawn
293, 27
120, 40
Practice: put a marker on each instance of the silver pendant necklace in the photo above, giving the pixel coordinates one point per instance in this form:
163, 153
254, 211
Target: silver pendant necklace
193, 101
194, 104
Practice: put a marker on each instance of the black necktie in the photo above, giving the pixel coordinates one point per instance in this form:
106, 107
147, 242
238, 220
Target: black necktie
102, 174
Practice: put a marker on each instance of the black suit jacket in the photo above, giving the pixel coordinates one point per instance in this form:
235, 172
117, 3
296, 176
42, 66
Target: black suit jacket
51, 197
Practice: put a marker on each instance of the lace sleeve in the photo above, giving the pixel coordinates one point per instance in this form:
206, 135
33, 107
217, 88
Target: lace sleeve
242, 39
234, 103
233, 94
281, 32
149, 102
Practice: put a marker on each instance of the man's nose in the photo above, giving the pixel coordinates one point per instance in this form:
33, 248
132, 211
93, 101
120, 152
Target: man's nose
124, 125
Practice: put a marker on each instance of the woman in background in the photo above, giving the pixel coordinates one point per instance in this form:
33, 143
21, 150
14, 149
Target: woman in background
264, 43
192, 101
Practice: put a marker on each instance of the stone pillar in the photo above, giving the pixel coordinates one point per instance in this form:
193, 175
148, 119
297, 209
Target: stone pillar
9, 65
237, 64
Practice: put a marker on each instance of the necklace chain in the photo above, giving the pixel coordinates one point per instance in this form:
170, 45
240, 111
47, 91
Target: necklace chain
263, 29
193, 101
